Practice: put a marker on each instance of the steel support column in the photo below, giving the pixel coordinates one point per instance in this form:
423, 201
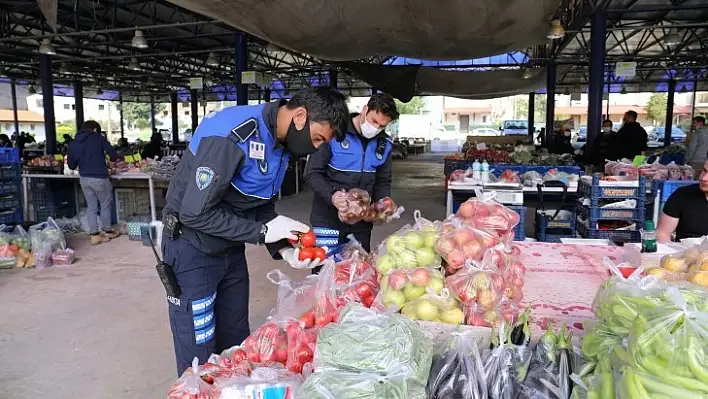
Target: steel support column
532, 110
153, 122
194, 99
175, 118
79, 102
50, 128
266, 95
669, 112
241, 66
333, 78
596, 86
120, 105
15, 118
551, 69
693, 98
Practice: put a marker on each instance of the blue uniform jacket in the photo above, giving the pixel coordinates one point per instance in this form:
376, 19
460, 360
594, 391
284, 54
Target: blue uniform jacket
353, 162
225, 183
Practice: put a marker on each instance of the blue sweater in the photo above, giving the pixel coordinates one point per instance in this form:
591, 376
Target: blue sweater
87, 151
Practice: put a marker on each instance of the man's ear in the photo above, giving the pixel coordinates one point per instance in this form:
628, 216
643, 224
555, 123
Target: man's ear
300, 118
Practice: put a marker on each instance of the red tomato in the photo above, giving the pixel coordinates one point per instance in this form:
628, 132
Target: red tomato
308, 239
304, 355
323, 320
307, 253
308, 318
368, 301
254, 357
364, 290
281, 355
238, 356
320, 253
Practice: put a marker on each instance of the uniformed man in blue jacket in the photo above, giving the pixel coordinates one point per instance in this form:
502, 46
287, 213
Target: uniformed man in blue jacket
362, 160
221, 198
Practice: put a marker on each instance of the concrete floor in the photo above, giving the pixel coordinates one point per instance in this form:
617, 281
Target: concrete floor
99, 329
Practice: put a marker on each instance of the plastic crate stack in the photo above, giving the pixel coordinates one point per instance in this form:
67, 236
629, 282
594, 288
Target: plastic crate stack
51, 198
594, 213
549, 229
519, 230
669, 186
10, 187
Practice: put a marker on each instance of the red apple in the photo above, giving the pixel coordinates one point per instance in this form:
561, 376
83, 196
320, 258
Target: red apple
445, 245
456, 259
472, 250
397, 280
461, 237
466, 210
420, 277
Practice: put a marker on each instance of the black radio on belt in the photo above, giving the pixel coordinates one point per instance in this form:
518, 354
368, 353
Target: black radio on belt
170, 226
166, 274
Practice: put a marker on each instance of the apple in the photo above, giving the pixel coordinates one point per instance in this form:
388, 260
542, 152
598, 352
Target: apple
411, 292
394, 243
461, 237
436, 285
426, 257
409, 311
491, 316
429, 238
385, 263
487, 299
407, 259
428, 228
455, 259
466, 210
413, 239
426, 310
452, 316
487, 240
397, 280
473, 250
445, 245
394, 298
420, 277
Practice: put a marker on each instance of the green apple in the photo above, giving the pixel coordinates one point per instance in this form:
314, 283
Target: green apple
385, 263
411, 292
429, 238
435, 284
394, 243
413, 239
452, 316
426, 310
426, 257
406, 259
428, 228
409, 312
394, 298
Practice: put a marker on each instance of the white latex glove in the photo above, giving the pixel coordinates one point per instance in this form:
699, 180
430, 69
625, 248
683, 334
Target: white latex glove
292, 256
284, 228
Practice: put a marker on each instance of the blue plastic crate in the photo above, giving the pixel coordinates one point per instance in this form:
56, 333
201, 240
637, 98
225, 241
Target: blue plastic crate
519, 229
560, 222
552, 237
594, 214
11, 216
452, 165
9, 156
10, 171
669, 186
596, 192
10, 201
499, 168
9, 187
612, 235
42, 212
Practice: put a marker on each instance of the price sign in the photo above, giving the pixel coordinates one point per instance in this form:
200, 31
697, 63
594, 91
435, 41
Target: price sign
638, 160
137, 157
58, 157
128, 159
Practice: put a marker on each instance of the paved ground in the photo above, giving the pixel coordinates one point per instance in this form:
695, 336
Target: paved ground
99, 328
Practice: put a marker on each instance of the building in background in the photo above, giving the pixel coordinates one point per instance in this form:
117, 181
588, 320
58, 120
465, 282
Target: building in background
30, 122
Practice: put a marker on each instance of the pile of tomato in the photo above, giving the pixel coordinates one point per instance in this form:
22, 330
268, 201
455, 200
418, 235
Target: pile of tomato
308, 249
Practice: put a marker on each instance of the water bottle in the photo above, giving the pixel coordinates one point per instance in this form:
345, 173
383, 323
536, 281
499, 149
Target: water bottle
476, 170
648, 237
485, 171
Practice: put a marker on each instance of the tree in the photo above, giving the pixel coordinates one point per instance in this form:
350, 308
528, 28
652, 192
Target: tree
412, 107
521, 108
656, 107
138, 114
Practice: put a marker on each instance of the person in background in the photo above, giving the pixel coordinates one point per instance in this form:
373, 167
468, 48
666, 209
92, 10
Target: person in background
561, 142
153, 148
686, 211
5, 141
88, 152
603, 148
362, 160
697, 151
631, 138
29, 138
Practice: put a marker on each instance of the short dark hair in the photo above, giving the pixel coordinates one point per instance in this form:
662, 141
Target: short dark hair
699, 119
632, 114
606, 121
91, 126
383, 103
324, 104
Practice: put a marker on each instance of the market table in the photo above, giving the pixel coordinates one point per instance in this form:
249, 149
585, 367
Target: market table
75, 178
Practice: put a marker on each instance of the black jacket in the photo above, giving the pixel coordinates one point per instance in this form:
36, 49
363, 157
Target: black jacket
632, 140
88, 153
353, 162
152, 150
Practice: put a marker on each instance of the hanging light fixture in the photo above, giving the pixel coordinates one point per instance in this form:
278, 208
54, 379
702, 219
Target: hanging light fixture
46, 47
63, 69
212, 59
32, 89
139, 40
99, 90
2, 69
556, 30
527, 73
134, 65
683, 89
623, 90
672, 38
566, 91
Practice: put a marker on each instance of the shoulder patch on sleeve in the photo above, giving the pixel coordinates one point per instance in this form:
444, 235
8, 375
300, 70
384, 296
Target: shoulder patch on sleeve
245, 130
204, 177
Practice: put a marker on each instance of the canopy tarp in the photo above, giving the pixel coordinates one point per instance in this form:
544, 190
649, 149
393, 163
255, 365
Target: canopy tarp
350, 30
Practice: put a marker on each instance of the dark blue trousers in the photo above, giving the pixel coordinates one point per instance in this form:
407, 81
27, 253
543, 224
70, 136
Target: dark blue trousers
211, 313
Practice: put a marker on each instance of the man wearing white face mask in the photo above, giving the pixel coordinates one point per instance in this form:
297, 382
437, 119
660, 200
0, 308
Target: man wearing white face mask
362, 160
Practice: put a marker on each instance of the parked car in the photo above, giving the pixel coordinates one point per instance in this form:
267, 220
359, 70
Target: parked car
485, 131
677, 135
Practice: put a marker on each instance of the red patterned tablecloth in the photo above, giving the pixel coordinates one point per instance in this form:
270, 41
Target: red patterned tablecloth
562, 279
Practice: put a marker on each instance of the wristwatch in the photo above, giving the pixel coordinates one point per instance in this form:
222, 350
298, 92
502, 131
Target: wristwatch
262, 235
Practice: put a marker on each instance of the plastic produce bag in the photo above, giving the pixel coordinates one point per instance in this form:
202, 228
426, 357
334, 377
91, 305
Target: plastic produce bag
505, 366
458, 372
351, 248
267, 382
355, 280
479, 290
378, 343
383, 211
48, 233
483, 212
405, 285
288, 344
191, 385
14, 247
231, 363
357, 203
440, 308
463, 243
338, 384
552, 364
63, 257
409, 247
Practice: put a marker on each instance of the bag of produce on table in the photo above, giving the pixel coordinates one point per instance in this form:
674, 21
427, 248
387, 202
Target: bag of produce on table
287, 343
337, 384
462, 243
15, 247
552, 363
506, 364
501, 258
440, 308
480, 291
684, 266
483, 212
401, 286
353, 248
409, 247
457, 370
191, 385
355, 280
365, 341
229, 364
383, 211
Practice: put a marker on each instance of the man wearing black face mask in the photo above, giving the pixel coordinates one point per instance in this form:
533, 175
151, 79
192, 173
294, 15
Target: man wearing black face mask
221, 198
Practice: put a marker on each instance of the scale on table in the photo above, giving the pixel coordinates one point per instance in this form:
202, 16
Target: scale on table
507, 193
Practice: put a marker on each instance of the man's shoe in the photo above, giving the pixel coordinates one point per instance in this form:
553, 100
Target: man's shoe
98, 239
111, 234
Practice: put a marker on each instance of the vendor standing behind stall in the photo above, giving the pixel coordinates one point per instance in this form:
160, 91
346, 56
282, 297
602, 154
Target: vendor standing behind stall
686, 211
632, 138
88, 152
361, 160
697, 151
